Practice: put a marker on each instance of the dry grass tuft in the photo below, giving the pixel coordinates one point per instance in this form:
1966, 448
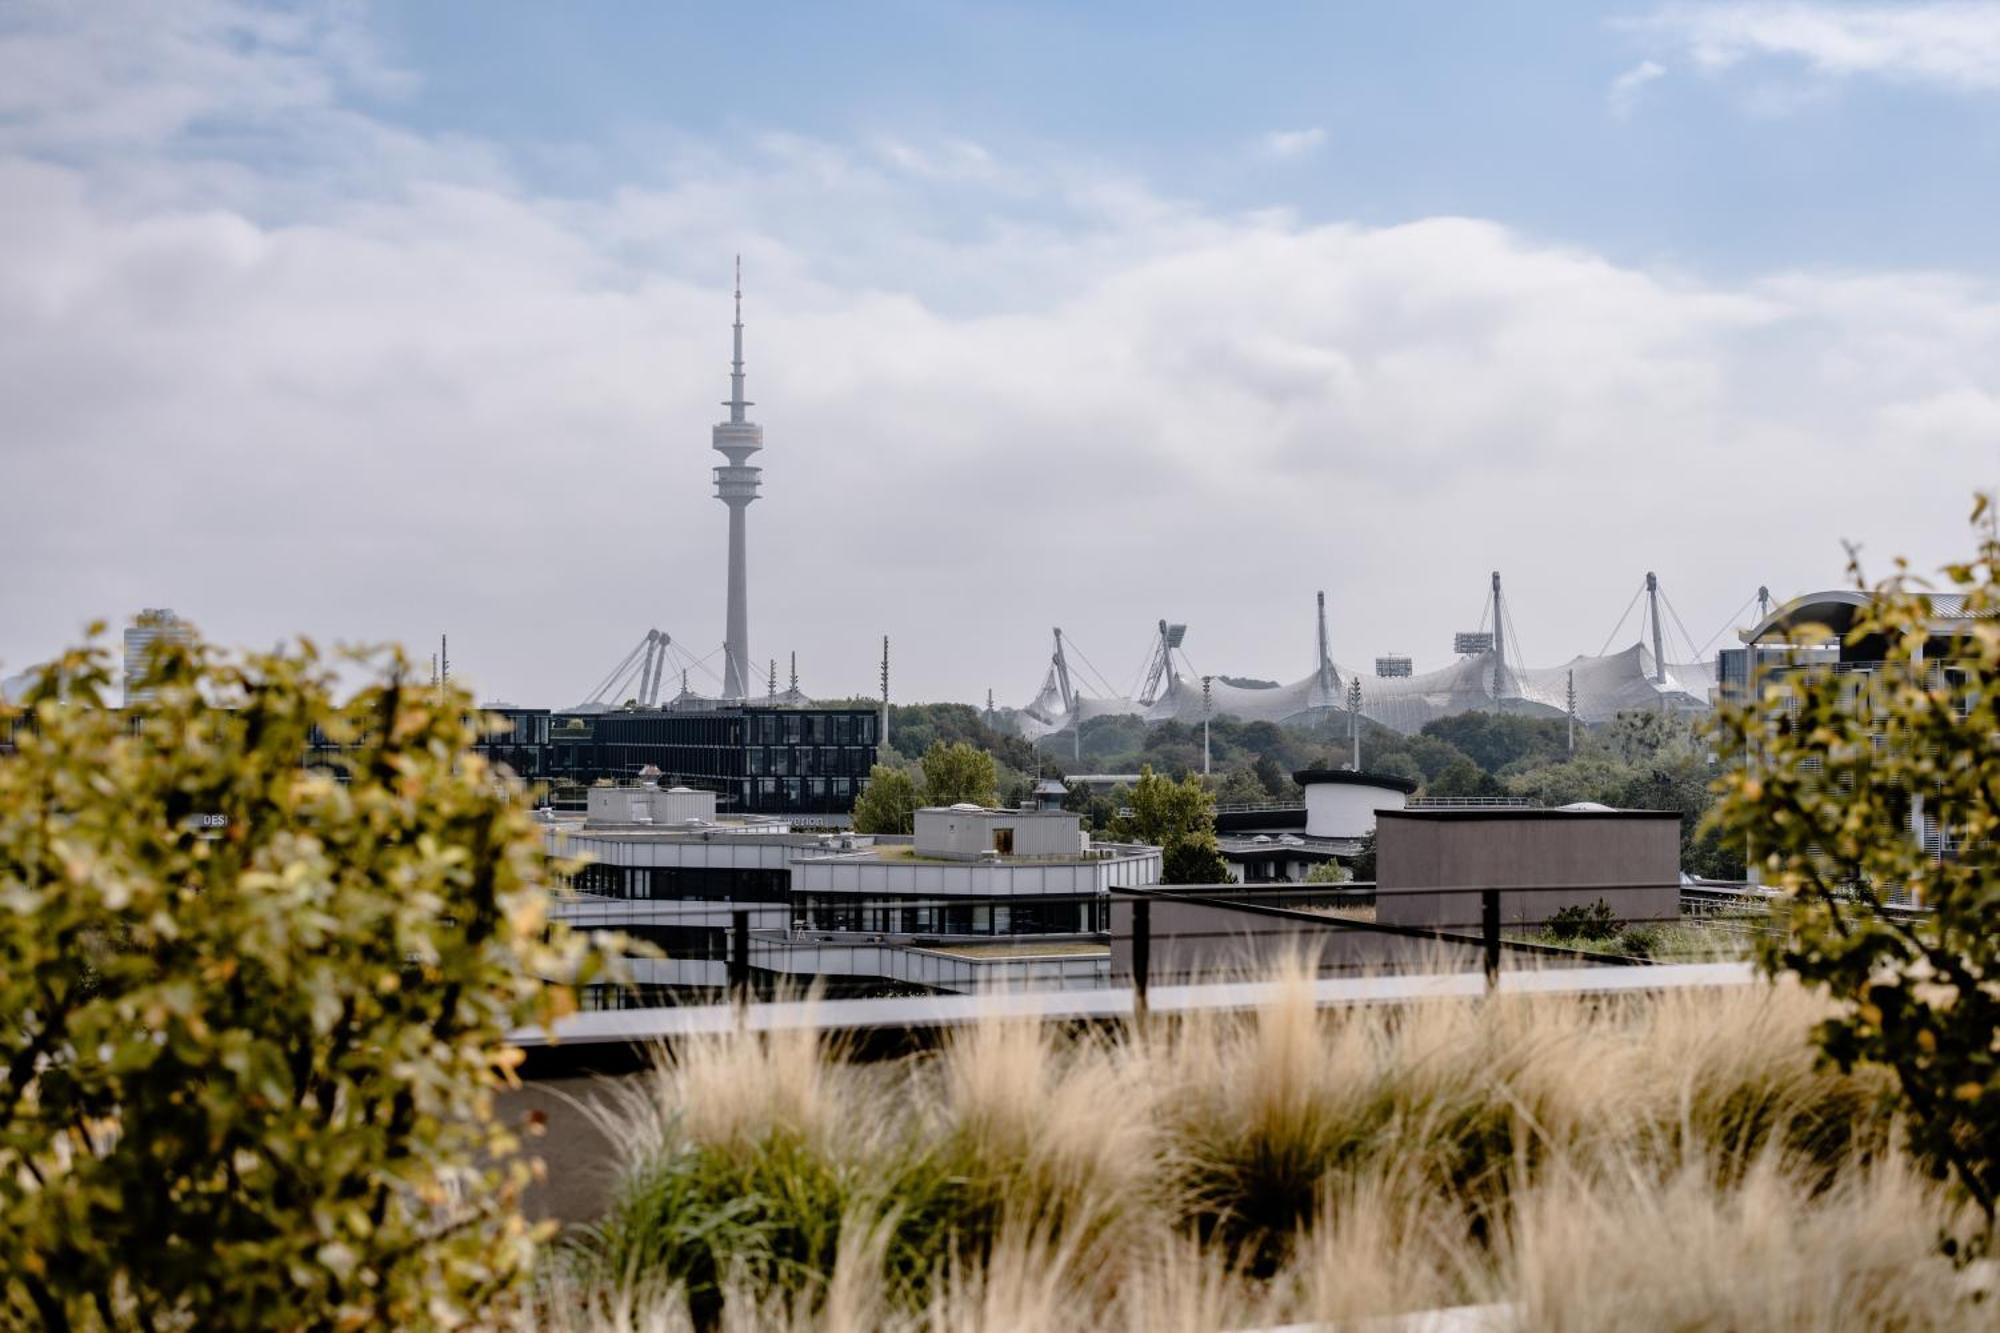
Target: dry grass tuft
1679, 1160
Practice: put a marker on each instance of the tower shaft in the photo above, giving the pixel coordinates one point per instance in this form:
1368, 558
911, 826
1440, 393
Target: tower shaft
736, 485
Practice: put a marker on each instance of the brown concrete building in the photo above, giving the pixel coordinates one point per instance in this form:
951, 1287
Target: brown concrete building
1546, 860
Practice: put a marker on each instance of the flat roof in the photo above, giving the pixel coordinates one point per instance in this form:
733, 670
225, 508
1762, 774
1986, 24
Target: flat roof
1522, 812
1306, 777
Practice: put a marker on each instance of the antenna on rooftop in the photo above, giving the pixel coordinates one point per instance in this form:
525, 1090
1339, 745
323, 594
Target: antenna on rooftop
885, 690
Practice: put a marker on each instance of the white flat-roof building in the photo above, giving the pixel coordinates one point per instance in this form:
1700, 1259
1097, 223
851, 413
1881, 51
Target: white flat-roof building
976, 898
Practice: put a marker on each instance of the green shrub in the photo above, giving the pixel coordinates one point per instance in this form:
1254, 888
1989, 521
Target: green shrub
1638, 942
254, 1015
1594, 922
1826, 771
766, 1218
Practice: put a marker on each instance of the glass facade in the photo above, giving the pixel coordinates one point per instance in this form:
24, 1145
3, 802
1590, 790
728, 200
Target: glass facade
1005, 916
757, 760
708, 884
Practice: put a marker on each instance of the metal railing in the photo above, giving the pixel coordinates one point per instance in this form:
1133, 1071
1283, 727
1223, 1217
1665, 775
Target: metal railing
1470, 803
1490, 939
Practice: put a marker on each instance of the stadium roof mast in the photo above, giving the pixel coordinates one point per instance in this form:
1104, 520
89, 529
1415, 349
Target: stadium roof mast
736, 485
1162, 664
1068, 693
1499, 642
1063, 686
1329, 675
1653, 607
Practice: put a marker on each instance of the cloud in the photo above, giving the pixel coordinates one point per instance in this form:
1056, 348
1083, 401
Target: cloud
1624, 92
379, 394
1950, 45
1289, 145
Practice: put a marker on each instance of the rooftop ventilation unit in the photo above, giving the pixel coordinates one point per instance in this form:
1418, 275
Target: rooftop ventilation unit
1393, 666
1472, 643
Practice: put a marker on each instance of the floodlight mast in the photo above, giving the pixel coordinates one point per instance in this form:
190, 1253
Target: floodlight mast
1207, 685
1354, 719
1569, 707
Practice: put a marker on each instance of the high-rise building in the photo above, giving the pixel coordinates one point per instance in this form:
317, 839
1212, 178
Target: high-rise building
736, 486
148, 628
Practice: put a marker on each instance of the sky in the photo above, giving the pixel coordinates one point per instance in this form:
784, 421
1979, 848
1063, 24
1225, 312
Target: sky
376, 323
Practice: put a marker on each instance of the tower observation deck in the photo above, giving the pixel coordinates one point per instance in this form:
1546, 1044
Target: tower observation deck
736, 485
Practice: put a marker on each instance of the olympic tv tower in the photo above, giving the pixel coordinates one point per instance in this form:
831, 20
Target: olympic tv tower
736, 486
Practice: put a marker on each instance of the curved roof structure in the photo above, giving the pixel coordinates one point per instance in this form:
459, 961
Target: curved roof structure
1604, 686
1834, 611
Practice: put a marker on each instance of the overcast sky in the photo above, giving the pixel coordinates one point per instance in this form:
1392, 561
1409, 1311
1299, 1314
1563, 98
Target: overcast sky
375, 323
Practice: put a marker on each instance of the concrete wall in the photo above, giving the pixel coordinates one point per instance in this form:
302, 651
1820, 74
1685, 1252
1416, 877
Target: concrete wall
1558, 859
964, 834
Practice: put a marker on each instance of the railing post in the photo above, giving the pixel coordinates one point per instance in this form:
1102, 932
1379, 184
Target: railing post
1142, 954
1489, 931
739, 956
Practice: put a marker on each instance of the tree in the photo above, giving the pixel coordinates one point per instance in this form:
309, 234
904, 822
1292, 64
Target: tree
1179, 819
1585, 778
1329, 872
1825, 772
957, 773
888, 803
255, 1015
1495, 740
1364, 860
1240, 786
1462, 777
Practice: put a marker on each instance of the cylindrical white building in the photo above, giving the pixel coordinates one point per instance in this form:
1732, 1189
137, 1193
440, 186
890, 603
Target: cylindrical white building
1341, 803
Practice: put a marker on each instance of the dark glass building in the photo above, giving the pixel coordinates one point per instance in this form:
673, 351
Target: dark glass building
777, 761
